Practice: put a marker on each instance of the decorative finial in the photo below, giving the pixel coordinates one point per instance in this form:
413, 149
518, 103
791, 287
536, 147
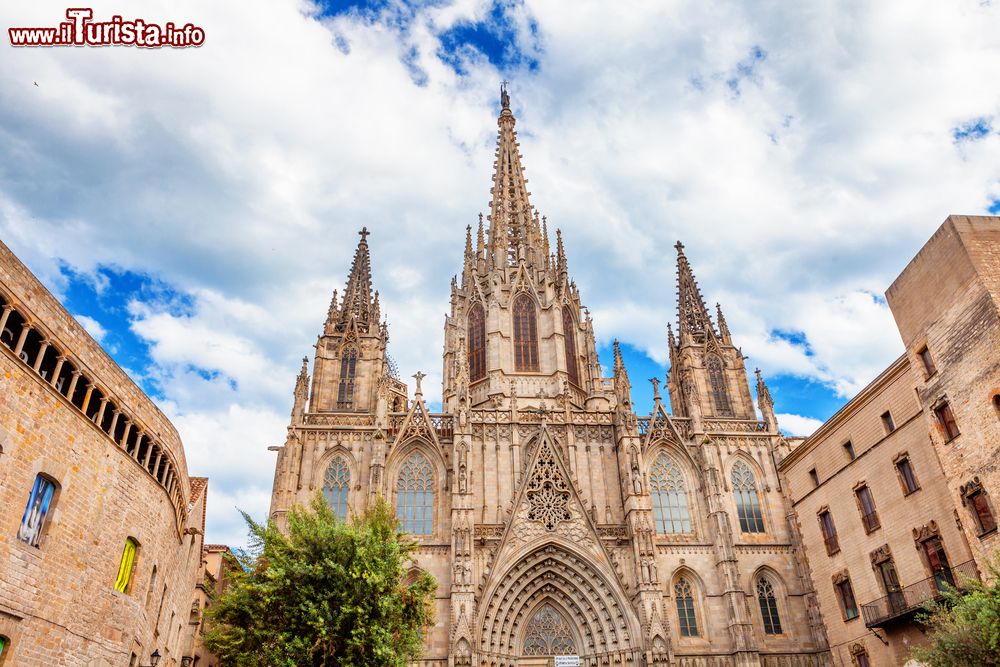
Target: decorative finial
656, 388
504, 97
364, 234
418, 376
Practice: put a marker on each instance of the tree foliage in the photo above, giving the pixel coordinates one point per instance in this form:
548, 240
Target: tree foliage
329, 593
964, 627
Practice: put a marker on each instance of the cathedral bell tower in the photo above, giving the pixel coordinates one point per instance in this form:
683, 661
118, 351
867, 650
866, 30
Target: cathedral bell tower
351, 351
707, 375
516, 327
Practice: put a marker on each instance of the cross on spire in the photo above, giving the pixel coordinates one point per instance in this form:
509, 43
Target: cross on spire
418, 376
364, 233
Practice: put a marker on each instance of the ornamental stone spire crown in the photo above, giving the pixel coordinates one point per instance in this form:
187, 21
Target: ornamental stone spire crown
514, 233
358, 303
692, 314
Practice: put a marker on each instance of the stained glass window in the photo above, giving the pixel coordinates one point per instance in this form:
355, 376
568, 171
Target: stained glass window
670, 505
36, 511
348, 370
336, 485
477, 343
548, 634
525, 334
686, 620
747, 501
717, 379
415, 495
768, 607
569, 336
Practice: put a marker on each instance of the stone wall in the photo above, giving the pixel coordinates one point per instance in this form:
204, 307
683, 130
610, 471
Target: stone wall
58, 602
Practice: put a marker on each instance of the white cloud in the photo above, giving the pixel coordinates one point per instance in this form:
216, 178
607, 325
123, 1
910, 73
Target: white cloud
240, 172
92, 326
798, 425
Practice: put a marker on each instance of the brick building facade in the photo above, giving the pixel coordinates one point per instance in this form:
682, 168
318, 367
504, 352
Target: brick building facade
894, 493
101, 533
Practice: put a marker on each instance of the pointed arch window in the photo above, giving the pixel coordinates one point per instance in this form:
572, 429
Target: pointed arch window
569, 336
336, 486
415, 495
477, 343
548, 634
717, 380
747, 501
687, 622
768, 606
525, 335
670, 505
348, 373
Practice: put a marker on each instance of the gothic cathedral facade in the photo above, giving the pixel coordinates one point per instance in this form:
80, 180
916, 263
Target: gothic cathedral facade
556, 520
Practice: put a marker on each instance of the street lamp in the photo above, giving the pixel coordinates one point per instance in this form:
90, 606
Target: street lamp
154, 659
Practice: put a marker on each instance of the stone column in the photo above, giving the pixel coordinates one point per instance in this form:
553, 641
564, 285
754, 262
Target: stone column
41, 355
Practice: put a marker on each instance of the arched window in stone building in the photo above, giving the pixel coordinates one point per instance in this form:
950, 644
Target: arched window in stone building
477, 343
548, 634
747, 500
569, 337
670, 505
717, 380
687, 622
525, 334
336, 485
415, 495
768, 606
348, 372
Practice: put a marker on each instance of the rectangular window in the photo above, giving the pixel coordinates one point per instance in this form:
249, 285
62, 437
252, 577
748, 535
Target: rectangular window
887, 422
849, 450
946, 418
928, 361
847, 602
829, 533
866, 504
906, 476
981, 510
862, 659
126, 566
36, 511
814, 477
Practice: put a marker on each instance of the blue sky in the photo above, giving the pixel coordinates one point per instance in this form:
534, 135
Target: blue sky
195, 208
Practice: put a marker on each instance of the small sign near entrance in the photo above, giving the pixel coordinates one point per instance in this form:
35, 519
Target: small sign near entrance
567, 661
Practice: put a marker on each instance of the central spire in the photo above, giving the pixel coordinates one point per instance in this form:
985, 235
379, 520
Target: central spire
514, 232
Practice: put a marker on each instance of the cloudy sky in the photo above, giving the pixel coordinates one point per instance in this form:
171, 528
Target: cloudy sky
194, 208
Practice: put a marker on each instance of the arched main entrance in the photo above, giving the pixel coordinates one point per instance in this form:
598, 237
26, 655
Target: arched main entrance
555, 601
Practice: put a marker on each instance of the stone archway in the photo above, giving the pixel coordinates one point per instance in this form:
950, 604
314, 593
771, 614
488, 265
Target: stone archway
588, 599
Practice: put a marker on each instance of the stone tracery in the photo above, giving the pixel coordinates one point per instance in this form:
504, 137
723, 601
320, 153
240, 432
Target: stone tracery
547, 491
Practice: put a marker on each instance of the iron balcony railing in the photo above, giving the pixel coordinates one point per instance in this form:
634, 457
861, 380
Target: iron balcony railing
908, 600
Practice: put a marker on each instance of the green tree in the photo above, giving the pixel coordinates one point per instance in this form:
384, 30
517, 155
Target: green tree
964, 627
329, 593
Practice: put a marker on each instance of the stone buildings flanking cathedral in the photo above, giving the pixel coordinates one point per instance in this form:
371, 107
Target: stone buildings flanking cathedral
556, 520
